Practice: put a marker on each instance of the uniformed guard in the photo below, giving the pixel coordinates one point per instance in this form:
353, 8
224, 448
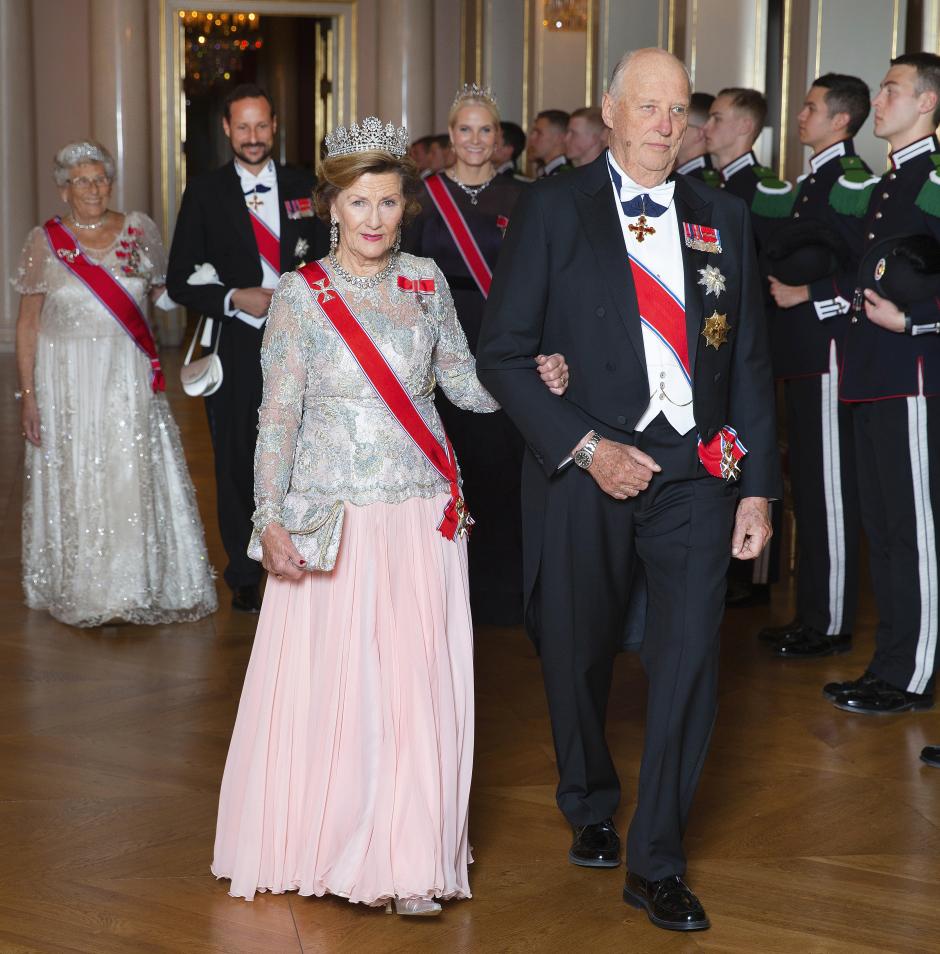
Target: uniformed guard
891, 377
735, 120
693, 158
813, 264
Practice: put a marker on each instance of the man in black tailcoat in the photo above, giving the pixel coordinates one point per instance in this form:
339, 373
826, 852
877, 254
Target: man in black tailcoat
229, 219
649, 286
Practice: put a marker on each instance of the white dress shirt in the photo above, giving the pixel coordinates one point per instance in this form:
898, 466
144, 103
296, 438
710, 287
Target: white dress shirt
660, 254
268, 210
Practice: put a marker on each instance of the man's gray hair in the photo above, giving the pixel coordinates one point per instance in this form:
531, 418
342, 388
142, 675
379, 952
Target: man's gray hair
616, 78
75, 153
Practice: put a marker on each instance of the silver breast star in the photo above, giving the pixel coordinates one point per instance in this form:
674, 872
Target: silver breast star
712, 279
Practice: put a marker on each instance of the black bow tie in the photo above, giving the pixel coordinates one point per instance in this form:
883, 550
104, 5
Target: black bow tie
258, 188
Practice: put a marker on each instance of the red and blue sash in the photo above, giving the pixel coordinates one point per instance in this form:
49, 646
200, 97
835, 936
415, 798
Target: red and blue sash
460, 232
456, 519
663, 313
109, 291
269, 245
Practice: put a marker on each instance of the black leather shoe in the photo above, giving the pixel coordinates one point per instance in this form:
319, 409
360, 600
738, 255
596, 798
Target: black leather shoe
668, 903
774, 634
595, 846
931, 755
246, 599
881, 698
833, 689
741, 595
811, 643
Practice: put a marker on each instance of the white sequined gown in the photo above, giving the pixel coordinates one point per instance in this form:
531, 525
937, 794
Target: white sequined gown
111, 529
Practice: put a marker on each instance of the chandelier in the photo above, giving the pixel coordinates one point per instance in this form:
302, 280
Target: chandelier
565, 15
216, 45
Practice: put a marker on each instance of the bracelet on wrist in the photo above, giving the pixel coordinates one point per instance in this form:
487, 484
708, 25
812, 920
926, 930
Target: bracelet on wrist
19, 395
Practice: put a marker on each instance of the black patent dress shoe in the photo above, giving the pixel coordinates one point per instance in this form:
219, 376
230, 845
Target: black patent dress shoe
669, 903
246, 599
741, 595
595, 846
931, 755
774, 634
811, 643
833, 689
881, 698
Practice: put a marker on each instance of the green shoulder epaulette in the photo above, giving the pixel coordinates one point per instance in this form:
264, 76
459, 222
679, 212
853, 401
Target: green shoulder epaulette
928, 199
711, 177
773, 198
851, 192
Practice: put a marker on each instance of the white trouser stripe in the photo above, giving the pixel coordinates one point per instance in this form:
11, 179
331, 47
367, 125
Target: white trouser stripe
926, 544
832, 487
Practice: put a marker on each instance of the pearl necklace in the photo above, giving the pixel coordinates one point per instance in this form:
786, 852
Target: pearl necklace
472, 191
90, 226
360, 281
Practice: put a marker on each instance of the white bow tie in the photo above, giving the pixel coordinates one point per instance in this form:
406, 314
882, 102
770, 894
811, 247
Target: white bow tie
267, 176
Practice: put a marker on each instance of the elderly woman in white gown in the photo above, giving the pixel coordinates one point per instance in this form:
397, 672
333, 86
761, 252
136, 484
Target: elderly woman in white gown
111, 530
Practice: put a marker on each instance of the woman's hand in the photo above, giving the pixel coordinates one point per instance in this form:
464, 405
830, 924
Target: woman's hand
279, 556
29, 416
553, 370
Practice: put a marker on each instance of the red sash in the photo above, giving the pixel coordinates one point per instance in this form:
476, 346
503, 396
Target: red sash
460, 232
269, 245
109, 291
662, 313
378, 372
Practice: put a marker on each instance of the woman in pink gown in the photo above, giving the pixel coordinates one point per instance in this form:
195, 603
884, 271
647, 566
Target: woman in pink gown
349, 767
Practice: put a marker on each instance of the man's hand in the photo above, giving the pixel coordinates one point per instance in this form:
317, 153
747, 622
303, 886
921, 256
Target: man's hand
621, 470
752, 528
254, 301
882, 312
788, 296
553, 370
279, 555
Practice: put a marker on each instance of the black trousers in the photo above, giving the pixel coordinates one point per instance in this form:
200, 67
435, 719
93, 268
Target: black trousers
679, 529
825, 502
233, 425
896, 445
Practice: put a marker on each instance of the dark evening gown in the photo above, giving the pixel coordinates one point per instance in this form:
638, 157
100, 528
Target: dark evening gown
489, 448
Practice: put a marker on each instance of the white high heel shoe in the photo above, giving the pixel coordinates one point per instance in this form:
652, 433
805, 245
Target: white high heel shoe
414, 907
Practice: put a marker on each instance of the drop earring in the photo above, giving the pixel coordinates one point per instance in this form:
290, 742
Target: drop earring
397, 246
334, 235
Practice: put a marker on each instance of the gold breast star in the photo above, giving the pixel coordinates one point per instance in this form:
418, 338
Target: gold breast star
712, 279
716, 330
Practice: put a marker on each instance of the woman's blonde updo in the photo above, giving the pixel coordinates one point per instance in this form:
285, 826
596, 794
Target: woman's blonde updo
338, 173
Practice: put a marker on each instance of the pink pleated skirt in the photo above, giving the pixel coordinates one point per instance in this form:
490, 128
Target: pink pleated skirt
349, 767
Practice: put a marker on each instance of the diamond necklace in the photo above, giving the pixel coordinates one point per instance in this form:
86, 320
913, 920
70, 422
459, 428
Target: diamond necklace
360, 281
472, 191
90, 226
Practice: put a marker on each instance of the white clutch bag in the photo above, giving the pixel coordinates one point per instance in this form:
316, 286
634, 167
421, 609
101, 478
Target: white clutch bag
315, 529
202, 377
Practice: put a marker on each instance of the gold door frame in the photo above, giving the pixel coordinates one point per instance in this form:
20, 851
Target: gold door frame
344, 14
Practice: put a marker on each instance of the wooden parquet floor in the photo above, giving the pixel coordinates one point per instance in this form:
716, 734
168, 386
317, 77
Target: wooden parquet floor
814, 831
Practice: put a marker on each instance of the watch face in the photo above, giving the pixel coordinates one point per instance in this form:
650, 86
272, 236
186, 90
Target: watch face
583, 458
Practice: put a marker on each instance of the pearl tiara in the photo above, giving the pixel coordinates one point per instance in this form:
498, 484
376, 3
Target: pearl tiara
369, 136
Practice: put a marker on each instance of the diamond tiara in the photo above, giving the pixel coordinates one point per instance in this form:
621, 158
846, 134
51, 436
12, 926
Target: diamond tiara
368, 136
473, 91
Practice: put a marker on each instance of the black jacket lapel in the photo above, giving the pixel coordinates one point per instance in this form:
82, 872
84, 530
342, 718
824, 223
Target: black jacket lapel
694, 210
601, 224
236, 208
288, 231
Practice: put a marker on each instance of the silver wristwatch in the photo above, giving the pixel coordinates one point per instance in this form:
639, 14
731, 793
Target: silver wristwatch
585, 456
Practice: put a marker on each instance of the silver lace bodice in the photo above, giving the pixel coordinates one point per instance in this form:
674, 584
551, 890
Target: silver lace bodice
324, 434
